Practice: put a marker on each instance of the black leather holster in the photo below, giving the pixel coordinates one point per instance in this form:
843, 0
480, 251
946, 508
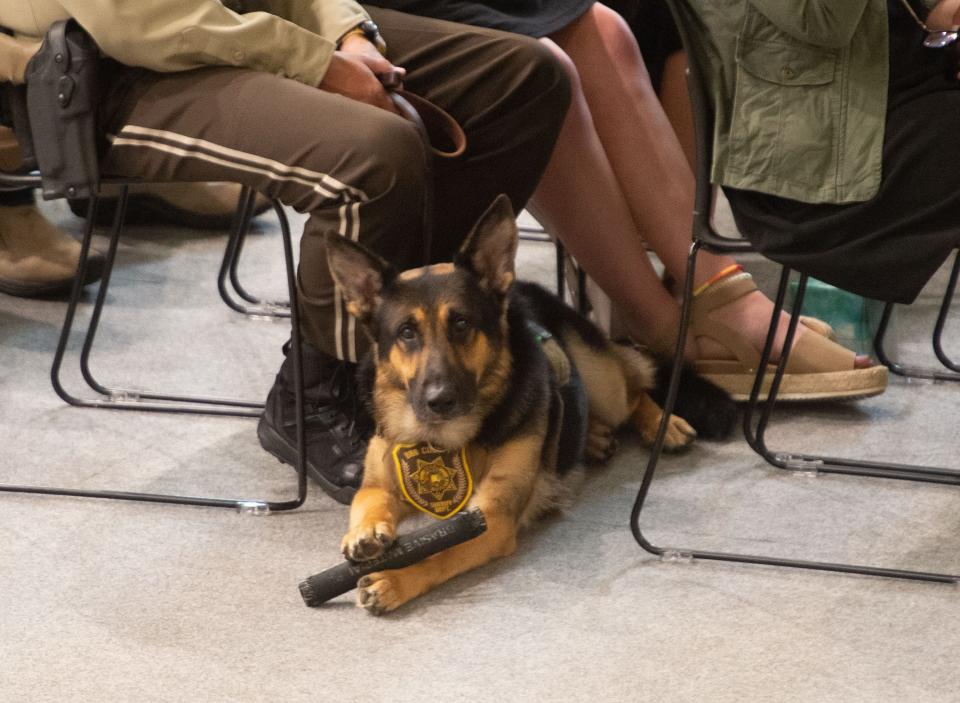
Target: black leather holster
61, 107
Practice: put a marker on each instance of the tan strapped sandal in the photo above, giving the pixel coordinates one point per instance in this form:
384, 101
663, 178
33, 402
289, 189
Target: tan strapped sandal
817, 369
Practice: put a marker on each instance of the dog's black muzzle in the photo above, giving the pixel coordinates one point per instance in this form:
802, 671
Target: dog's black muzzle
444, 393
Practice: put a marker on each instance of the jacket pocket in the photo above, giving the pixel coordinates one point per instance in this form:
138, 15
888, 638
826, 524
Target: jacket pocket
786, 111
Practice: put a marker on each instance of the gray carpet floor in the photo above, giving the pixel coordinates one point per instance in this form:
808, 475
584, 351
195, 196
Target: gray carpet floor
117, 601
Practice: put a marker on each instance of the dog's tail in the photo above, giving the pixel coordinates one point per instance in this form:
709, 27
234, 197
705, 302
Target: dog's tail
708, 408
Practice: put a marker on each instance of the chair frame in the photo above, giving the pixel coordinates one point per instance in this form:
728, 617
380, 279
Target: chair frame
232, 291
125, 399
707, 238
236, 296
919, 372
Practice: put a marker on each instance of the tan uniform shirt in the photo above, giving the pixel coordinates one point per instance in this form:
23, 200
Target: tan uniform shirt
292, 38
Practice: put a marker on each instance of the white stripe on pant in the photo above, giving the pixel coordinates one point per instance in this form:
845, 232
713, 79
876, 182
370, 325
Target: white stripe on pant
324, 184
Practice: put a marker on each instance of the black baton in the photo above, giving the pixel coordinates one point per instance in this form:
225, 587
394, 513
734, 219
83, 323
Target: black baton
408, 549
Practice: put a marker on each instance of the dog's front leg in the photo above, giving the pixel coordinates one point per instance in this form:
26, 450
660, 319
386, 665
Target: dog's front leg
502, 495
646, 419
375, 509
374, 516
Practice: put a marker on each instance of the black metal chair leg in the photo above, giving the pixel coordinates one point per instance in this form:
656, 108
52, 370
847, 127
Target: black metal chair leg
130, 399
942, 317
583, 302
899, 369
242, 220
111, 257
669, 403
814, 462
297, 351
561, 270
922, 372
705, 236
228, 280
238, 251
75, 295
533, 234
251, 506
689, 554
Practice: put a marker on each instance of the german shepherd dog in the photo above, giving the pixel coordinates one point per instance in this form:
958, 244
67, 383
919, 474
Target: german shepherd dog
487, 394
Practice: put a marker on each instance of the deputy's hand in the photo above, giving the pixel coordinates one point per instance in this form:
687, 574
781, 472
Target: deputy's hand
352, 73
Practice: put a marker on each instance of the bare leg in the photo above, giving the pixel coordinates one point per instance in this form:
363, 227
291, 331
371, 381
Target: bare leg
676, 103
650, 171
642, 149
579, 200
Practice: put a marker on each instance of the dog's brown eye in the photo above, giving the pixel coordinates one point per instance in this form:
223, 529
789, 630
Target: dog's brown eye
460, 324
408, 333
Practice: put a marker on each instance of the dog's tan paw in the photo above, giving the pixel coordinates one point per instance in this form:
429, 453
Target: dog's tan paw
368, 541
601, 443
679, 434
381, 592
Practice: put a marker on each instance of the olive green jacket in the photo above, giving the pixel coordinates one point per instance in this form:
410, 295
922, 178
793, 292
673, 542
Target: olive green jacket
292, 38
800, 94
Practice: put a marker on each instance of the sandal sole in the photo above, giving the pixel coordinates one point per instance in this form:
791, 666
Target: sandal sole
834, 385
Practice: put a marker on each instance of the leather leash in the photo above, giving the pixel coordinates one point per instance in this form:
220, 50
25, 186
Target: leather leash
442, 137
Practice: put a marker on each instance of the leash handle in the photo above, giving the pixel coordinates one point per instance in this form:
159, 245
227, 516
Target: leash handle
442, 134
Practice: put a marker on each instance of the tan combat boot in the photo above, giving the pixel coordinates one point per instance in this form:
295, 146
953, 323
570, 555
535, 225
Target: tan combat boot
36, 258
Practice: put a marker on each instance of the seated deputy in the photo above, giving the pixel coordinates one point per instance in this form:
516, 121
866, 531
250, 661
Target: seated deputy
836, 136
283, 96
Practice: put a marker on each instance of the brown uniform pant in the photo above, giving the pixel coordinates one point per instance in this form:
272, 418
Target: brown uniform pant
357, 170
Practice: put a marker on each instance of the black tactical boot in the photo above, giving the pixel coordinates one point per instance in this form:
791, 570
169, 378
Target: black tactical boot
337, 425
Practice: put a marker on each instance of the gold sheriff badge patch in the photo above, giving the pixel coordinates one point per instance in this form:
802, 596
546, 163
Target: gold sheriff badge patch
436, 481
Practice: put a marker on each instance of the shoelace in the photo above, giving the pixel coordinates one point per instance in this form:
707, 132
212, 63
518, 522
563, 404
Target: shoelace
345, 413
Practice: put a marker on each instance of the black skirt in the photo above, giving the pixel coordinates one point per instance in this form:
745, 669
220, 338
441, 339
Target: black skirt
535, 18
887, 247
656, 34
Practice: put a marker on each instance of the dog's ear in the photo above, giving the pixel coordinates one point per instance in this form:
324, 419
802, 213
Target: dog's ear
490, 250
359, 274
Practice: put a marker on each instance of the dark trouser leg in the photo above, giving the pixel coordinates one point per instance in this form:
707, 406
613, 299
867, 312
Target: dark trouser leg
351, 166
357, 170
506, 91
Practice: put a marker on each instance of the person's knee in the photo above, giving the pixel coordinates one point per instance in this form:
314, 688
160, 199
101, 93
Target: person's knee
566, 63
547, 74
384, 159
615, 35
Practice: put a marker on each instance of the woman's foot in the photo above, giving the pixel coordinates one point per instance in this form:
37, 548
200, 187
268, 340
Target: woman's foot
728, 326
750, 314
